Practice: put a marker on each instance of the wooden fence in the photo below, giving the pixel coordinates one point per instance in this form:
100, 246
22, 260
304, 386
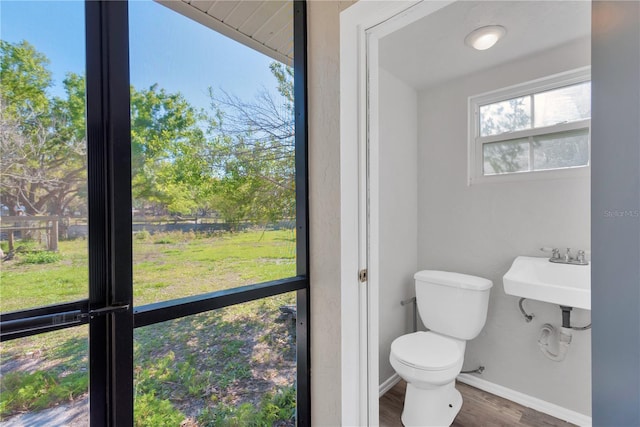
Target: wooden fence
25, 225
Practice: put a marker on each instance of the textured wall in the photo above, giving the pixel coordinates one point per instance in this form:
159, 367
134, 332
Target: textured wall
324, 189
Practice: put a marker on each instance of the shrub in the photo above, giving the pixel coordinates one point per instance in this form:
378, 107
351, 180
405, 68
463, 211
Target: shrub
40, 257
164, 241
143, 235
27, 245
167, 237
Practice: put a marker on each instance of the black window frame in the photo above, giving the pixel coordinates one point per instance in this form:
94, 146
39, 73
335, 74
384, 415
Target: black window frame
110, 306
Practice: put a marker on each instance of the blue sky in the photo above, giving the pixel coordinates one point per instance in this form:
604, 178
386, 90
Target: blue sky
166, 48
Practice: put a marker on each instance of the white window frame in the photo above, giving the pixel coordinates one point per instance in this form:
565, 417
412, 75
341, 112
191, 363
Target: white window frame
476, 142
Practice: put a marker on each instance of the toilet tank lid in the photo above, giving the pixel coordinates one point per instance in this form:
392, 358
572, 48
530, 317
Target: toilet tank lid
458, 280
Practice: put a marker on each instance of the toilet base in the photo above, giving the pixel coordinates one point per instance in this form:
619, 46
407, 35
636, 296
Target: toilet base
437, 406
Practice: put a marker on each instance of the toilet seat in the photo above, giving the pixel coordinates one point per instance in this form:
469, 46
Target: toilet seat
427, 351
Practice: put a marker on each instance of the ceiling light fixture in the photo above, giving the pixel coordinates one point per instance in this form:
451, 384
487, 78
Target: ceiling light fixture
484, 37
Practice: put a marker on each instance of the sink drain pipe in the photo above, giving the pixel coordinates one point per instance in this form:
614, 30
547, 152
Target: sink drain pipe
564, 337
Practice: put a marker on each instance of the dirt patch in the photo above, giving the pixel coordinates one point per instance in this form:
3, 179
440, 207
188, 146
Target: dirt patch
72, 414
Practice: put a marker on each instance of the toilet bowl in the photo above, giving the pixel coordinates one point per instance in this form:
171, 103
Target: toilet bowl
454, 308
427, 358
429, 363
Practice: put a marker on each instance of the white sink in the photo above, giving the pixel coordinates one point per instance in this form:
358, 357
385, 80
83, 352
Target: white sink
537, 278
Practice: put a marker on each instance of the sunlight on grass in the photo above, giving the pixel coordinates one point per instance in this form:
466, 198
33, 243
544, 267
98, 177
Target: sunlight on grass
191, 264
236, 364
44, 370
186, 266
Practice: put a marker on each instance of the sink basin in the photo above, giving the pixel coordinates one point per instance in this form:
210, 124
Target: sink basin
537, 278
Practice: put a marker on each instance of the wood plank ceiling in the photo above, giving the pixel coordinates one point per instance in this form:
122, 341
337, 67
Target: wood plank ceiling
266, 26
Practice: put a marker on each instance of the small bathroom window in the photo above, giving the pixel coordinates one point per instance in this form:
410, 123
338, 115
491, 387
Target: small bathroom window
538, 129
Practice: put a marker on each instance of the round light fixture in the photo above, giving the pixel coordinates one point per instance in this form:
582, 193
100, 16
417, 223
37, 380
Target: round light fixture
484, 37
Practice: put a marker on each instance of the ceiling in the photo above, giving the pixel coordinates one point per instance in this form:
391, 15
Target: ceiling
432, 50
266, 26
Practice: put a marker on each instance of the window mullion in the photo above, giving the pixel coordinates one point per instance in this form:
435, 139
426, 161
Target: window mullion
532, 102
531, 165
520, 134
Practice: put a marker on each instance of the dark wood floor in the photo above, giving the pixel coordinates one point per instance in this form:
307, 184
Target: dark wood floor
479, 409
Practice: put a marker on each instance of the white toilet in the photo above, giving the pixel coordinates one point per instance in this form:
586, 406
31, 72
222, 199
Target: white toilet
453, 307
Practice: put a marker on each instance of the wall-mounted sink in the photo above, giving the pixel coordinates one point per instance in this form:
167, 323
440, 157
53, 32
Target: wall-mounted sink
537, 278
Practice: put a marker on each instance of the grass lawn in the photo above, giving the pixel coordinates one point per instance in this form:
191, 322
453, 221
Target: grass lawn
234, 366
165, 266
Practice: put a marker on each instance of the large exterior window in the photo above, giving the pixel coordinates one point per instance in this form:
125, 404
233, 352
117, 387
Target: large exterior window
531, 129
43, 207
215, 213
153, 213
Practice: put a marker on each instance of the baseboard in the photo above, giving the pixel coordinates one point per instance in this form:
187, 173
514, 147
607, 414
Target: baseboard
389, 383
526, 400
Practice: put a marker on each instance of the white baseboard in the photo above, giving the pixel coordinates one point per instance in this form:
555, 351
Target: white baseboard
526, 400
389, 383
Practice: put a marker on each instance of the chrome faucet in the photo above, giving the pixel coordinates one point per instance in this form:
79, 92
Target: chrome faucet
579, 259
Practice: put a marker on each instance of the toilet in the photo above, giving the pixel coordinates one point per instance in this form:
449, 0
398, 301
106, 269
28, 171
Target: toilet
453, 307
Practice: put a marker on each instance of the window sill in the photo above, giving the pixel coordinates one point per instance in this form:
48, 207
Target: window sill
555, 174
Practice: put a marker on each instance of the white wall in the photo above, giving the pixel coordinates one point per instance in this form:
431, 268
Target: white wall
398, 193
324, 202
480, 229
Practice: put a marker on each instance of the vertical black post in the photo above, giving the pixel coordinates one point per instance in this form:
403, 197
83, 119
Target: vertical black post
109, 184
302, 211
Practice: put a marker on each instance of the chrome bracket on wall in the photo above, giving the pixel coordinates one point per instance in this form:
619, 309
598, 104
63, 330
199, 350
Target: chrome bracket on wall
415, 311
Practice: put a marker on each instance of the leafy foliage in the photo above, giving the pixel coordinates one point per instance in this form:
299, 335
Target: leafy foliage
254, 152
506, 116
40, 257
236, 160
168, 167
42, 138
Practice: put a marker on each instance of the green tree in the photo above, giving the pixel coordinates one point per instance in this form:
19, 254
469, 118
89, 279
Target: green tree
170, 170
238, 160
253, 152
507, 116
25, 80
43, 138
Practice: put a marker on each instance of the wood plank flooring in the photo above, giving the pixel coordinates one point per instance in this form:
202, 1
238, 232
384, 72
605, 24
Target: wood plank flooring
479, 409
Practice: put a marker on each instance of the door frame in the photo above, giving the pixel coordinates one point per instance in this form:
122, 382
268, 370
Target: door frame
614, 177
361, 26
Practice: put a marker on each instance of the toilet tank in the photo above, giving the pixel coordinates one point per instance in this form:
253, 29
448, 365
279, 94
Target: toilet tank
452, 304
